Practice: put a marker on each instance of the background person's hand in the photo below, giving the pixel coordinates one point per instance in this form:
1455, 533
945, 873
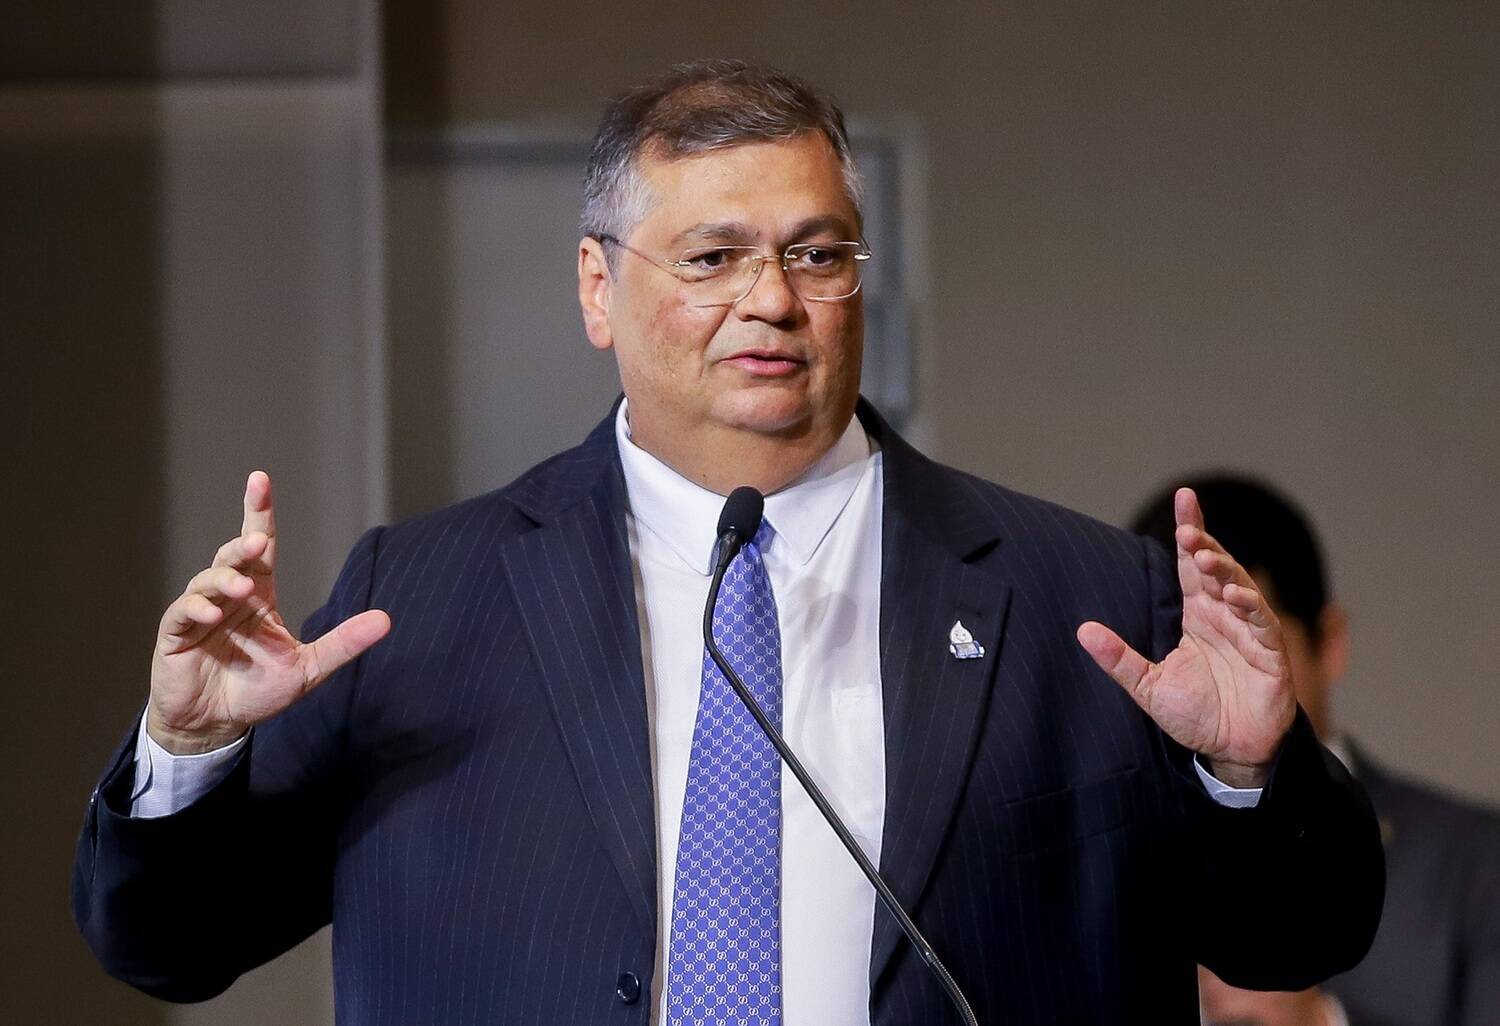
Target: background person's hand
1224, 1005
1225, 691
224, 658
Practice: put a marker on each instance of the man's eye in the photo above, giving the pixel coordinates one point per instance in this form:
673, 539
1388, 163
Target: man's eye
709, 260
820, 258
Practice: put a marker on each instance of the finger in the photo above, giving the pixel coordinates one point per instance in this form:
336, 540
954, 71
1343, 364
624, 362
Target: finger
1222, 567
220, 584
321, 658
260, 515
1224, 579
1186, 509
1196, 538
1128, 668
1189, 517
1191, 535
245, 553
195, 618
1204, 565
1250, 605
188, 613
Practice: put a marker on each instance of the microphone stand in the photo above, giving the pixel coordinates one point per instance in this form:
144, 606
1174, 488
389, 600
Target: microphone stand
731, 543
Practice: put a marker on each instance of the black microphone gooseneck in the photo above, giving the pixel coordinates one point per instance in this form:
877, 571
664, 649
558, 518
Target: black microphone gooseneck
738, 523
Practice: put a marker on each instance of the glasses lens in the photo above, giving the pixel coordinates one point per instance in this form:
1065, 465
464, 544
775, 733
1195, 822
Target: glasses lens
719, 265
723, 275
828, 270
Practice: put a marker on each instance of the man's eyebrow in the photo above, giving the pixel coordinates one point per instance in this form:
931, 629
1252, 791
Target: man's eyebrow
741, 234
830, 223
729, 232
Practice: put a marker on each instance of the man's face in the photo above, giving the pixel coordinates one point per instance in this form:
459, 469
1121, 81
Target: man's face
774, 363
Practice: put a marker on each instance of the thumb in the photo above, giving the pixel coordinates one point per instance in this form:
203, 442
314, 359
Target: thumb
349, 640
1125, 665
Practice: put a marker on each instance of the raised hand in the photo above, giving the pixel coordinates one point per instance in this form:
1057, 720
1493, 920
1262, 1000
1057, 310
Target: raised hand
1226, 690
224, 658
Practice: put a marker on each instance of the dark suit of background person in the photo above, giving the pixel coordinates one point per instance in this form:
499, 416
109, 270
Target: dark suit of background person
470, 801
1436, 957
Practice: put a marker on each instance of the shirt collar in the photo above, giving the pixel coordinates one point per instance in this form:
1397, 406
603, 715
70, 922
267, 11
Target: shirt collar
683, 515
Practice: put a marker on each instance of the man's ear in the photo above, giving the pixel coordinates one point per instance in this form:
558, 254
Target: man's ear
1333, 643
594, 285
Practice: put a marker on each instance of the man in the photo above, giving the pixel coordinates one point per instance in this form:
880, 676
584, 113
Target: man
1436, 958
535, 802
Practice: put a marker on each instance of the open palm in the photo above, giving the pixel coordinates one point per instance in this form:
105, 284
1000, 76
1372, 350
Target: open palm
1225, 691
224, 658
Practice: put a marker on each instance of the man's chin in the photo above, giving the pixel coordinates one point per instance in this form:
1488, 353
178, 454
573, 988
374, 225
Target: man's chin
767, 410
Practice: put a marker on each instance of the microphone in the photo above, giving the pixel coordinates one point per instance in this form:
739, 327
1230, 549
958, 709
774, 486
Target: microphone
738, 522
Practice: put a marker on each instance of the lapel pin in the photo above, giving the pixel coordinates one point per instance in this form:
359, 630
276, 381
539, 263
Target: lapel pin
962, 644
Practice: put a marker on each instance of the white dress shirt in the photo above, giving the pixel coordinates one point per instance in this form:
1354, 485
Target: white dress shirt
824, 563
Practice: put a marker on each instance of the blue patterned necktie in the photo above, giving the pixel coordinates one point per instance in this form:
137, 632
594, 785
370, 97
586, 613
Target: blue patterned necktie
725, 957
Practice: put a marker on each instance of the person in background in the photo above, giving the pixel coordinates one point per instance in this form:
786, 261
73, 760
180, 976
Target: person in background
1436, 957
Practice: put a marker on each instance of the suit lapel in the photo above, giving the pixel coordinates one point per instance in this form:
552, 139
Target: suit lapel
933, 573
573, 585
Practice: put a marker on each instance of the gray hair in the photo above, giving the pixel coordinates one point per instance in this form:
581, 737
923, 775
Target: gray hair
696, 108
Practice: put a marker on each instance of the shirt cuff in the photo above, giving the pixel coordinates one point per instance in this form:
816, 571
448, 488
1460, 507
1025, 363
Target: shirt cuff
167, 783
1229, 797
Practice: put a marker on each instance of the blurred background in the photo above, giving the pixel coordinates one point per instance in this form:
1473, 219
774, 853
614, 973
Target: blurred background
334, 239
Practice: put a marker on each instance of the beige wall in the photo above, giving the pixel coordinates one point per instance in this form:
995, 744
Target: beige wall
189, 288
83, 513
1162, 237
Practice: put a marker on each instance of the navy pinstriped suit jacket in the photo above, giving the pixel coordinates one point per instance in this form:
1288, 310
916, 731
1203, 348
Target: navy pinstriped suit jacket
471, 802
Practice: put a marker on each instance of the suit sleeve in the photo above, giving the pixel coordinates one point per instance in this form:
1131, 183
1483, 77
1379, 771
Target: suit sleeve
180, 906
1291, 890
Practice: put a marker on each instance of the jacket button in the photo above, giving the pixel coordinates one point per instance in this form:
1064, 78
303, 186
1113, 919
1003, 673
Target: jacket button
628, 988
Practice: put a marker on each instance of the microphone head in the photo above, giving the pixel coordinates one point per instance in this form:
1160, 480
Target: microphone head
742, 513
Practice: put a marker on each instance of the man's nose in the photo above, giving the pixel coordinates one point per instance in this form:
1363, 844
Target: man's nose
772, 301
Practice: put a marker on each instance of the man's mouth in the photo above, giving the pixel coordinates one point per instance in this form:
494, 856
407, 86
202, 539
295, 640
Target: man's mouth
765, 363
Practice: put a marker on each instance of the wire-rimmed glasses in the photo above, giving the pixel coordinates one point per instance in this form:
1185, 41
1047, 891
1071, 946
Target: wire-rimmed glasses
822, 272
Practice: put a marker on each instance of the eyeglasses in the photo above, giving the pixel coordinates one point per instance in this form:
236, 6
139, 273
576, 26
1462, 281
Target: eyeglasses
823, 272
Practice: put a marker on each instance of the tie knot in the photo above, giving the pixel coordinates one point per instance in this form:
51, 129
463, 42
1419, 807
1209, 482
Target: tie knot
763, 534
